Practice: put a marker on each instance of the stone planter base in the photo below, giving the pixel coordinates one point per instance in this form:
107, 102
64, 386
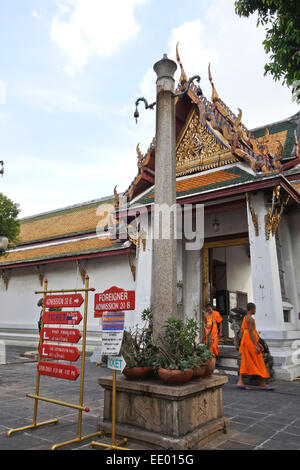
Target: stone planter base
166, 417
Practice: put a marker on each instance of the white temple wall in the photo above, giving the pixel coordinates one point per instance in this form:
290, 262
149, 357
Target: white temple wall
19, 312
231, 223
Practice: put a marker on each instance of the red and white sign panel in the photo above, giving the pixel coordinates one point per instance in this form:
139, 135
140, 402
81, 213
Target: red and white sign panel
62, 318
60, 353
63, 300
61, 335
114, 299
60, 371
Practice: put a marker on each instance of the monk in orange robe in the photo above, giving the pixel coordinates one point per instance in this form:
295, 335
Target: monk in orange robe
212, 319
252, 361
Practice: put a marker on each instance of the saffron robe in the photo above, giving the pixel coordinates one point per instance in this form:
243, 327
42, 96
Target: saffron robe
212, 330
251, 362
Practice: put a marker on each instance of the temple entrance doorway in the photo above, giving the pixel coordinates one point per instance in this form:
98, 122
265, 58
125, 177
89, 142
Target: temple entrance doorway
227, 278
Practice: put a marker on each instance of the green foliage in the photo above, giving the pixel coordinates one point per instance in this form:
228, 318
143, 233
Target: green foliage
9, 223
177, 346
137, 348
282, 21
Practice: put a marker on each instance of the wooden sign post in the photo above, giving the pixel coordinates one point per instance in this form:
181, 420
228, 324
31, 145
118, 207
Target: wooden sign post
61, 352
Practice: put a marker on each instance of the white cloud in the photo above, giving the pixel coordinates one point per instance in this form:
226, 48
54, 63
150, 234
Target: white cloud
85, 28
233, 46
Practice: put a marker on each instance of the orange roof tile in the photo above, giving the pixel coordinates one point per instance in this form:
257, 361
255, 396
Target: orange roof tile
202, 180
58, 250
61, 223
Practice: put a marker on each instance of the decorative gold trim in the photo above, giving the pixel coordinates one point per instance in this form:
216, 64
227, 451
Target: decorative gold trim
273, 216
132, 267
140, 157
40, 275
82, 271
214, 96
137, 237
297, 144
117, 199
253, 215
5, 277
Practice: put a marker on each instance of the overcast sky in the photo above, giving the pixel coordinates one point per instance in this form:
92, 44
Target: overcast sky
71, 70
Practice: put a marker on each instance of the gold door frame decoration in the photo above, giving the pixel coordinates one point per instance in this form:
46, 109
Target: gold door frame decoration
205, 261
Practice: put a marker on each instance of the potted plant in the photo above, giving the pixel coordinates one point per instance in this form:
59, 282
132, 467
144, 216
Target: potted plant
174, 358
205, 361
137, 349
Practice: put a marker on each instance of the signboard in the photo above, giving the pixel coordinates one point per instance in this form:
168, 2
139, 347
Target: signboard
116, 363
63, 300
114, 299
62, 318
113, 321
61, 335
62, 353
112, 332
60, 371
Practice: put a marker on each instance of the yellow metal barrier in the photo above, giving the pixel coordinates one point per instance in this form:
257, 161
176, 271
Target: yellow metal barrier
37, 397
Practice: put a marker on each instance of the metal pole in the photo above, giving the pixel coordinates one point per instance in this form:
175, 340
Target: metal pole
113, 411
37, 387
83, 355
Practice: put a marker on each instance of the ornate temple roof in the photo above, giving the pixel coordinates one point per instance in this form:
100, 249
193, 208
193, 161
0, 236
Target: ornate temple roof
65, 233
209, 136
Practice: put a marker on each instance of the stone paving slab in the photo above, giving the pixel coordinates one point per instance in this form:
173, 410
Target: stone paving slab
259, 420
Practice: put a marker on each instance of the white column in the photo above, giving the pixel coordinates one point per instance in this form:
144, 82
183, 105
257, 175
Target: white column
192, 284
289, 270
264, 270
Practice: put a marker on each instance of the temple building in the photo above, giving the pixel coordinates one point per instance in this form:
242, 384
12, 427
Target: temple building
248, 184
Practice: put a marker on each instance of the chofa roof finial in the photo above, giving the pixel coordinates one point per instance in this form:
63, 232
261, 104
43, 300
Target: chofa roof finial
214, 96
183, 78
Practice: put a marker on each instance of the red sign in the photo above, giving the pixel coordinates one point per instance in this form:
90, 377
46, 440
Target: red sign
63, 300
63, 318
60, 353
61, 371
62, 335
114, 299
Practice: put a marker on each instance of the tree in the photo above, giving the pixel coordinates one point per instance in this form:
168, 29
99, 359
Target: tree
282, 21
9, 223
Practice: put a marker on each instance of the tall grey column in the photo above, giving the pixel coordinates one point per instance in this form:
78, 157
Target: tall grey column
164, 247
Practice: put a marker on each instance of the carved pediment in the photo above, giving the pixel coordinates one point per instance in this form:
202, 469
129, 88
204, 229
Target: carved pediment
199, 149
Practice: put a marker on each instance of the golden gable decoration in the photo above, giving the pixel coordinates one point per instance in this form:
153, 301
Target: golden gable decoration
199, 149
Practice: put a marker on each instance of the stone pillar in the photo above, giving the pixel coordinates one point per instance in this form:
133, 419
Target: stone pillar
143, 290
264, 270
164, 247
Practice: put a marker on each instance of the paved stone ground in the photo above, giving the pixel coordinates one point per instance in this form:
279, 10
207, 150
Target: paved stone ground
258, 419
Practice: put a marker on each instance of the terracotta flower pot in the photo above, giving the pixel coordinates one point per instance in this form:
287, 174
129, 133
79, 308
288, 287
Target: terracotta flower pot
201, 371
137, 373
175, 377
210, 366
